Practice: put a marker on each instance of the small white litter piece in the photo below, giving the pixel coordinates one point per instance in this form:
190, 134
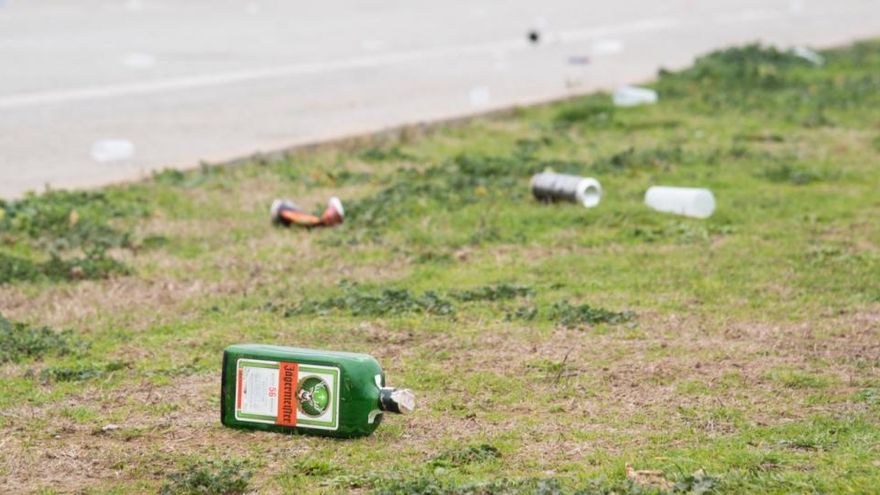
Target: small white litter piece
687, 201
480, 96
808, 55
139, 60
550, 186
112, 150
606, 47
632, 96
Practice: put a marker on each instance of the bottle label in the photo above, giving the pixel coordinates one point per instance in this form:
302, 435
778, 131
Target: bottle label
287, 394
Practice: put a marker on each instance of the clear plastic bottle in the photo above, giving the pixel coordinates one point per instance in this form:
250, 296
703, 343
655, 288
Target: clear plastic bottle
687, 201
631, 96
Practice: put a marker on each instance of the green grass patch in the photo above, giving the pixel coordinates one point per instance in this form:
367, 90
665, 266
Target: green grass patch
19, 341
211, 477
741, 345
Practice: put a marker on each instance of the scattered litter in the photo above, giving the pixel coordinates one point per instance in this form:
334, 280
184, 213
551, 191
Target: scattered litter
808, 55
550, 186
480, 96
631, 96
687, 201
286, 213
111, 150
293, 390
109, 427
607, 47
139, 60
579, 60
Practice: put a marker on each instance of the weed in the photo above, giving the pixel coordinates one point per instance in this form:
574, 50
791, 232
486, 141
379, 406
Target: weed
73, 229
385, 302
19, 341
590, 111
466, 455
527, 313
694, 484
451, 185
644, 159
93, 266
306, 472
14, 268
72, 219
80, 372
796, 379
188, 179
870, 396
334, 178
739, 69
224, 477
496, 292
571, 316
792, 174
377, 154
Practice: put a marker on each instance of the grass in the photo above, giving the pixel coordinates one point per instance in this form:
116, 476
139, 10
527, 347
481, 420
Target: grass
553, 349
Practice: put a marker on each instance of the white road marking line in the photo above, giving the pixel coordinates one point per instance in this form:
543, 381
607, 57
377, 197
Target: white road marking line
378, 60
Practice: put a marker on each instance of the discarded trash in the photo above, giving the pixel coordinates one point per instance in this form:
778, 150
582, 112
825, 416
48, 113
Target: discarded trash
285, 212
291, 390
139, 60
631, 96
111, 150
687, 201
607, 47
579, 60
550, 186
480, 96
109, 427
808, 55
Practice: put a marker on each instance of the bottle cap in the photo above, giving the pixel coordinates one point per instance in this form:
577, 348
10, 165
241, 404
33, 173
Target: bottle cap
397, 400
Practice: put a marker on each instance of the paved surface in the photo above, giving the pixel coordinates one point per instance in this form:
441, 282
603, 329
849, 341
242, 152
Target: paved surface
182, 81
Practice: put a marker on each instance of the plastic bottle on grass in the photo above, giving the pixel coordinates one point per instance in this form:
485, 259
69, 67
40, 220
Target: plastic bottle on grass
687, 201
632, 96
292, 390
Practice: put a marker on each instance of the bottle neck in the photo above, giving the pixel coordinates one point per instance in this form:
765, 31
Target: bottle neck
397, 400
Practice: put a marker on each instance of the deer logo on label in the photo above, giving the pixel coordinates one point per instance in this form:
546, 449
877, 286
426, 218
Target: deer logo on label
313, 396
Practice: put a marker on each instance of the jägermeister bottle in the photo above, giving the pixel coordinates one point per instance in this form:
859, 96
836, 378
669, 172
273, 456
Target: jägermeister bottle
286, 389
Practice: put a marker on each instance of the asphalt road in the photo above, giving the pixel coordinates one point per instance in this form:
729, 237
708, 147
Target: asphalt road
171, 83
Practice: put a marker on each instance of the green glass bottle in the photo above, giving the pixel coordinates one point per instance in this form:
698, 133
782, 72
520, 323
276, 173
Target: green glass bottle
287, 389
